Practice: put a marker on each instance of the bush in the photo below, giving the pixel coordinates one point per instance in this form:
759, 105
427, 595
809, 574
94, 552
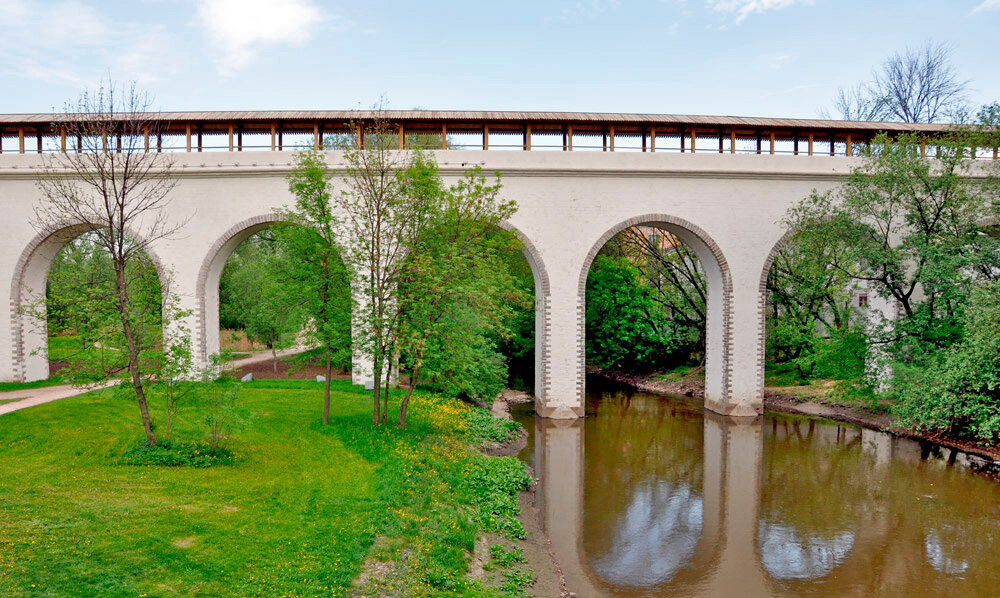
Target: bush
483, 425
495, 482
957, 390
177, 454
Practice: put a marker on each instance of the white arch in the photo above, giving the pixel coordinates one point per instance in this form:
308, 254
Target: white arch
28, 285
719, 288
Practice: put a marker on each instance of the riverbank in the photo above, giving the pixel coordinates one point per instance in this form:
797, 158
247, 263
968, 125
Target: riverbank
803, 400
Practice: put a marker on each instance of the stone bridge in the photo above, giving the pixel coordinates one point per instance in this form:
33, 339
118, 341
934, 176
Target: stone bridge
720, 184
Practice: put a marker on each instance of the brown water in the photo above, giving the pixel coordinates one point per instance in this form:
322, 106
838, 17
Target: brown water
650, 496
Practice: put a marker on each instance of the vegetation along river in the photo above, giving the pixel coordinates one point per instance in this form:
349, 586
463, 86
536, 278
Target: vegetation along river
652, 496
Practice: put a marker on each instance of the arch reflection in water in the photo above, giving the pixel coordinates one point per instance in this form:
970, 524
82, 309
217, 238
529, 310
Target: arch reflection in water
649, 497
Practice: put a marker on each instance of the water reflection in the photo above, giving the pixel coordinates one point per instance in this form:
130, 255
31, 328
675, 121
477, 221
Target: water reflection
648, 496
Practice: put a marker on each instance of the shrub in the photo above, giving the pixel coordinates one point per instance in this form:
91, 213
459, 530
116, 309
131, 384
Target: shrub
177, 454
483, 425
494, 483
958, 388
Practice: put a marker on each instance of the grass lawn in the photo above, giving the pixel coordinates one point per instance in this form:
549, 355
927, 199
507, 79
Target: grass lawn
296, 516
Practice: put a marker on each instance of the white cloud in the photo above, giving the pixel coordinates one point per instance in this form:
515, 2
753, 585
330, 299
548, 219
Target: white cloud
80, 44
987, 5
744, 8
241, 28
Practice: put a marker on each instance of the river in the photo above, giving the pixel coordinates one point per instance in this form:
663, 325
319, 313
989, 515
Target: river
651, 496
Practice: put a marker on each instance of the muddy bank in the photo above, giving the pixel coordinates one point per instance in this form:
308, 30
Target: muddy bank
549, 579
800, 401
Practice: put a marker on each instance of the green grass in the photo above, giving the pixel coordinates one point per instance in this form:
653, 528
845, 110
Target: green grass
4, 401
64, 347
296, 515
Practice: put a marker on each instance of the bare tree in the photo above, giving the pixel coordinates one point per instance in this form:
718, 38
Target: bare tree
108, 183
918, 85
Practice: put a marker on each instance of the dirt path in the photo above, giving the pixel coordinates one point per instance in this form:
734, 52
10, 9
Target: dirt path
30, 397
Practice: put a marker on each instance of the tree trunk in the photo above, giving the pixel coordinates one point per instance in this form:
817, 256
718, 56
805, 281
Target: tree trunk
376, 392
326, 390
406, 400
121, 292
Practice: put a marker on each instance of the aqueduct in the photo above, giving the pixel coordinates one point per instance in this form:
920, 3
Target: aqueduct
720, 184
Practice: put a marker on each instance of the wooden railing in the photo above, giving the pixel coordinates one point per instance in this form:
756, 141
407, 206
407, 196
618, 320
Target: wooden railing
526, 131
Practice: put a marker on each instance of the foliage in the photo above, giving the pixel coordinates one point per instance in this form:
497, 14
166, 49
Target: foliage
911, 230
455, 292
517, 580
315, 270
505, 557
958, 389
255, 294
173, 454
624, 328
483, 425
493, 483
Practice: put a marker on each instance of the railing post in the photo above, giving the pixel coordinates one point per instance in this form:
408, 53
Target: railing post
923, 149
444, 136
402, 137
272, 136
611, 136
199, 139
795, 140
62, 139
732, 141
850, 150
720, 141
188, 134
361, 136
652, 139
239, 139
759, 141
316, 143
682, 141
569, 137
694, 139
772, 143
145, 140
38, 140
526, 138
833, 144
230, 136
486, 136
810, 144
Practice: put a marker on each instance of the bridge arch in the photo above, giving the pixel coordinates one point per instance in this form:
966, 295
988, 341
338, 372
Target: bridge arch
719, 291
210, 274
29, 336
543, 299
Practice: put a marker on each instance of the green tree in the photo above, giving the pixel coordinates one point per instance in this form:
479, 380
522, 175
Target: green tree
315, 271
258, 297
455, 292
958, 389
911, 230
625, 328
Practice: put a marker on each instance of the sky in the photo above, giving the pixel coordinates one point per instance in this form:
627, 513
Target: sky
777, 58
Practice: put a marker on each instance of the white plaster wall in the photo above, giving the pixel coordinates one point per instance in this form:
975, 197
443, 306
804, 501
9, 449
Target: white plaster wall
567, 202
